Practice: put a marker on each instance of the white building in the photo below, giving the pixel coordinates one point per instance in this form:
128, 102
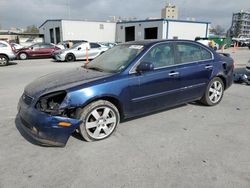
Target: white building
161, 29
56, 31
169, 12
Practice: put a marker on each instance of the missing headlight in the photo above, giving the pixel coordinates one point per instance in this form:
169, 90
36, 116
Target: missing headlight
50, 103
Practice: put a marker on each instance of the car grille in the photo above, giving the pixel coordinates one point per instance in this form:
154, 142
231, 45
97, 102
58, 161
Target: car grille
27, 99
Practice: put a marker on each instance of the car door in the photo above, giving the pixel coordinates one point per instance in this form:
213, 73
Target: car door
195, 64
46, 50
158, 88
79, 51
94, 50
33, 50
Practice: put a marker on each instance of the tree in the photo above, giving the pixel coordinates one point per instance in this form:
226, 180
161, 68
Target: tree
31, 29
218, 30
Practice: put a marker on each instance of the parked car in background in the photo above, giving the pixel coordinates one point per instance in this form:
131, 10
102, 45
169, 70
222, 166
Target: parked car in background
38, 50
128, 80
6, 53
16, 46
79, 52
108, 44
30, 41
64, 44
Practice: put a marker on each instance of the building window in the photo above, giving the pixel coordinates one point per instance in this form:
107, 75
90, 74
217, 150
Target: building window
51, 32
58, 37
101, 26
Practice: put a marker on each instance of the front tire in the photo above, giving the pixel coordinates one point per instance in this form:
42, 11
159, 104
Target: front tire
70, 58
4, 60
99, 120
214, 92
23, 56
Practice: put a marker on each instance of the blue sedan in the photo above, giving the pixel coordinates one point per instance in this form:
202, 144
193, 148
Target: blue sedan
128, 80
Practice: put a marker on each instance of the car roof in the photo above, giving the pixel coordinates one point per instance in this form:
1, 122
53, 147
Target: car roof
155, 41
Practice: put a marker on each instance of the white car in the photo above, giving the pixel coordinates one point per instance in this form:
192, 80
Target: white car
6, 53
80, 51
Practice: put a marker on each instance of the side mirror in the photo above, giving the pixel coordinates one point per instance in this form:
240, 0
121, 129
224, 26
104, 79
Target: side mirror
145, 67
79, 48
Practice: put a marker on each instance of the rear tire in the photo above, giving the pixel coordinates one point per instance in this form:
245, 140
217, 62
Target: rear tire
214, 92
99, 120
4, 60
70, 58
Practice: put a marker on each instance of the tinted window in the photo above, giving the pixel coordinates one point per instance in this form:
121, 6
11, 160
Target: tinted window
2, 45
46, 46
94, 45
161, 56
35, 46
190, 53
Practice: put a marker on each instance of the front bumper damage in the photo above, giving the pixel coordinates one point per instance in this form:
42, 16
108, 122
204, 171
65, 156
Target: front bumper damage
44, 128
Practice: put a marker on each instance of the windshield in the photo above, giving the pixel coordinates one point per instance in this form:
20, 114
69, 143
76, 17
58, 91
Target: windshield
115, 59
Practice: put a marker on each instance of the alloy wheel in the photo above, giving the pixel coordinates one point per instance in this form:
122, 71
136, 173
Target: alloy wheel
3, 61
101, 122
215, 91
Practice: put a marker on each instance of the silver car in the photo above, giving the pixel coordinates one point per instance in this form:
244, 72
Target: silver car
80, 51
6, 53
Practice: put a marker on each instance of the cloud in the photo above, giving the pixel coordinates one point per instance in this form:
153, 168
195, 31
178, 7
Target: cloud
16, 13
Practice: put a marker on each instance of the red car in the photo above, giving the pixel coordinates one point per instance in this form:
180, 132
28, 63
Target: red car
38, 50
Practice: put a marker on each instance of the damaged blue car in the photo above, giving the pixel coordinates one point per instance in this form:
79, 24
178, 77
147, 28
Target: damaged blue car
128, 80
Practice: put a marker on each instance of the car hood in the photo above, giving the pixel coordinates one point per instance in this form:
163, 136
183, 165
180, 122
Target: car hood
62, 80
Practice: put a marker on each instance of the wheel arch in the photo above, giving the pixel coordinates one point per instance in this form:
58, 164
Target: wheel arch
5, 56
223, 80
115, 101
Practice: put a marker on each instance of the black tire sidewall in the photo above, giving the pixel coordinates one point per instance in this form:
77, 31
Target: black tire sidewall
6, 58
70, 59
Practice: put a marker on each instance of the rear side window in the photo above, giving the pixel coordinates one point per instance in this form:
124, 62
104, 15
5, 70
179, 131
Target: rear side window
94, 45
46, 46
192, 53
2, 45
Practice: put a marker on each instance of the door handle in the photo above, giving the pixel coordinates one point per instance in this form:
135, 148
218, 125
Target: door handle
173, 73
208, 67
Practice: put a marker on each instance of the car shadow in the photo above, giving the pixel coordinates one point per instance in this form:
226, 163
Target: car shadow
54, 61
11, 63
153, 113
77, 135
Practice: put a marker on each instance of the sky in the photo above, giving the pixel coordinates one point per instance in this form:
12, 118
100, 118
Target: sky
22, 13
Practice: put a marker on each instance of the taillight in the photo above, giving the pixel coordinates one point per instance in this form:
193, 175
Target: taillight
12, 48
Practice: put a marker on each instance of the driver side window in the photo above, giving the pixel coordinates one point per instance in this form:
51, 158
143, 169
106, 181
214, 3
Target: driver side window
161, 56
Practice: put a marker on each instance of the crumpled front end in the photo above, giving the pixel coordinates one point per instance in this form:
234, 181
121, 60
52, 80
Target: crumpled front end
45, 121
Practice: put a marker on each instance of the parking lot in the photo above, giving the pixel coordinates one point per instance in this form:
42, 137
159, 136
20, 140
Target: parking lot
188, 146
